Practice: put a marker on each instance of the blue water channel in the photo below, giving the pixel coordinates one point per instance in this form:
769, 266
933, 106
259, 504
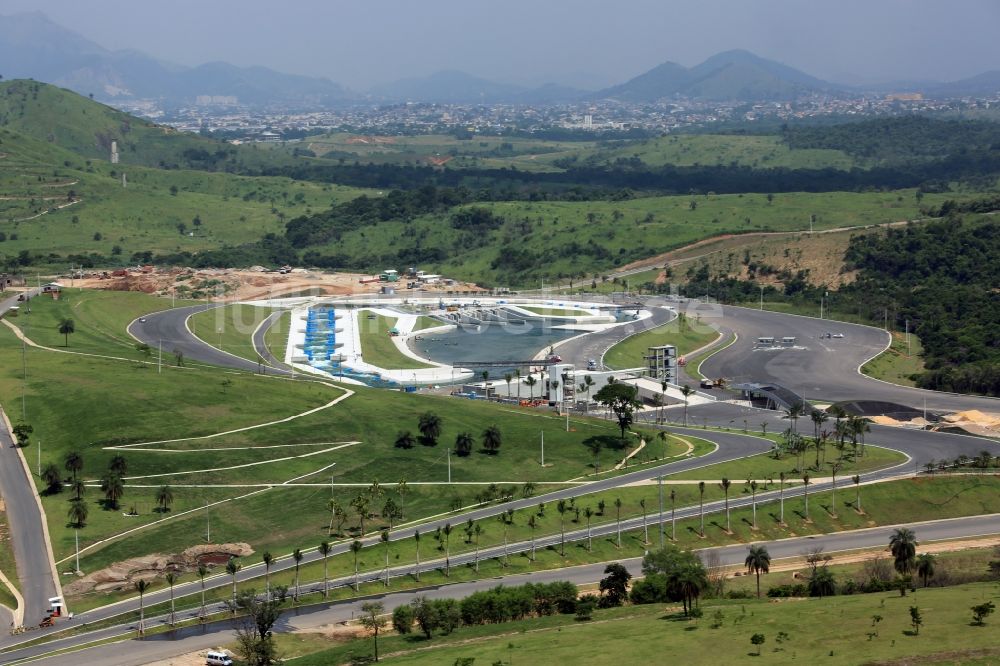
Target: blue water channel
320, 349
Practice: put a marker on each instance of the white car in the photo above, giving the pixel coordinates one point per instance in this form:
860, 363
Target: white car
838, 335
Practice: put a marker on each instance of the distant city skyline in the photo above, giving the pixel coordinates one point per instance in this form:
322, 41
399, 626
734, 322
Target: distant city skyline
585, 43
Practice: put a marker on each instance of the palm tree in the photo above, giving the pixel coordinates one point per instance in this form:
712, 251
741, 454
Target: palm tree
429, 426
73, 462
66, 326
531, 381
925, 566
793, 413
113, 489
818, 418
324, 550
725, 488
164, 498
297, 556
686, 391
857, 486
118, 465
903, 545
517, 375
645, 532
360, 505
171, 579
586, 387
805, 484
477, 530
508, 377
447, 549
233, 567
356, 547
78, 487
663, 397
141, 586
753, 502
463, 443
758, 561
336, 511
701, 506
561, 508
589, 513
77, 513
202, 572
781, 498
416, 544
618, 520
492, 438
404, 440
267, 558
52, 478
384, 536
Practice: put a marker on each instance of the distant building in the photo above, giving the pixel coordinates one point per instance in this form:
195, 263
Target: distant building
216, 100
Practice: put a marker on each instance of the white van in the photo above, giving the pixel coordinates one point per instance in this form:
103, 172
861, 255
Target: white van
216, 658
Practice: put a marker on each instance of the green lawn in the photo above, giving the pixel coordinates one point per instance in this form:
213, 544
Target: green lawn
680, 332
377, 346
643, 634
899, 363
230, 328
276, 337
424, 322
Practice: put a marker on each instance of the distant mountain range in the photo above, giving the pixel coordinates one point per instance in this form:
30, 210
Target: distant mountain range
32, 46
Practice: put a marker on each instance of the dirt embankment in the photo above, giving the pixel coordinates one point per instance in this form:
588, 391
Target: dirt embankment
229, 284
123, 575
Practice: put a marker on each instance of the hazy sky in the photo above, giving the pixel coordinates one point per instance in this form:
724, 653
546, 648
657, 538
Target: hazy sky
580, 42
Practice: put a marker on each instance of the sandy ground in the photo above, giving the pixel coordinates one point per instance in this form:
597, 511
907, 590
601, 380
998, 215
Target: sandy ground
250, 284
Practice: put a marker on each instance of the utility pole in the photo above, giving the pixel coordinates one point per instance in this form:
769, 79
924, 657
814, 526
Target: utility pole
543, 448
159, 359
39, 459
448, 452
76, 534
208, 527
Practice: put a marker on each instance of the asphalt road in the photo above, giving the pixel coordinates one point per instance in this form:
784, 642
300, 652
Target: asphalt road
30, 545
136, 652
823, 369
594, 345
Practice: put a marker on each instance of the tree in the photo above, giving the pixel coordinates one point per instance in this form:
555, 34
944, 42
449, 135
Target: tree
805, 490
982, 611
561, 508
22, 433
141, 586
857, 486
531, 381
416, 547
916, 619
390, 511
171, 579
822, 583
52, 478
492, 439
758, 561
384, 537
622, 399
753, 502
447, 548
78, 487
618, 520
337, 513
477, 531
588, 513
725, 489
253, 635
686, 391
77, 513
325, 549
925, 566
429, 426
404, 440
267, 558
233, 567
645, 532
903, 546
401, 490
402, 619
758, 639
297, 556
701, 506
683, 574
614, 585
113, 489
202, 572
463, 444
508, 377
360, 505
73, 462
164, 498
66, 326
